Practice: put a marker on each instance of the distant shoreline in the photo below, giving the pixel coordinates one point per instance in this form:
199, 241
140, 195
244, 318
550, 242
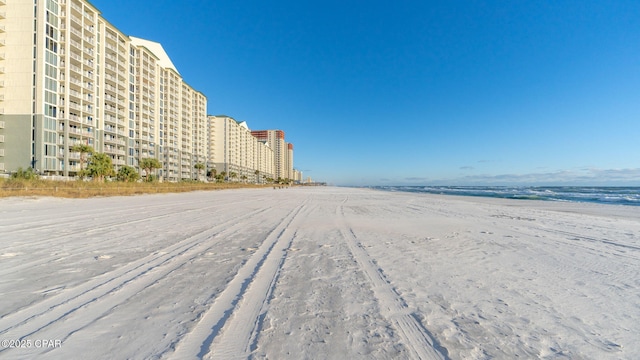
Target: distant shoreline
610, 195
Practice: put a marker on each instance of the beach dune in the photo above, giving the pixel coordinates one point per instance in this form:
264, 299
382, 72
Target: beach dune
326, 272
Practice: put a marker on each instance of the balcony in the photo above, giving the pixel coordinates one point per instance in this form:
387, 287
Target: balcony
75, 44
88, 51
111, 47
111, 57
77, 33
75, 68
111, 36
76, 20
76, 7
76, 57
74, 106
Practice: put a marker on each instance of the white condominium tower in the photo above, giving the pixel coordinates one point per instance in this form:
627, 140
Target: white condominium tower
171, 120
236, 152
283, 151
68, 76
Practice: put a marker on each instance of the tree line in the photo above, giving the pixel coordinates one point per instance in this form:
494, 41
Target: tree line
99, 167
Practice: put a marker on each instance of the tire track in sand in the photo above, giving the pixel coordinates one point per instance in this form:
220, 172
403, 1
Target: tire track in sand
412, 333
92, 299
70, 238
229, 329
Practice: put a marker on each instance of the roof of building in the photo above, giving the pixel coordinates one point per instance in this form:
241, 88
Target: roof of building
243, 124
157, 50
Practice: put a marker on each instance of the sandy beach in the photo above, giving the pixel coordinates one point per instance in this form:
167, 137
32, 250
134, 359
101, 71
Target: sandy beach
317, 273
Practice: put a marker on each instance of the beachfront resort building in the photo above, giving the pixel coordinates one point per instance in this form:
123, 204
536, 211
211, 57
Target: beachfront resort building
288, 161
236, 153
297, 176
170, 116
283, 152
68, 76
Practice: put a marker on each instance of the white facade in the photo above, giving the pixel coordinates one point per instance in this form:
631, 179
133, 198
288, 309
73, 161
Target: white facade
265, 162
275, 140
68, 76
288, 162
76, 79
236, 152
297, 176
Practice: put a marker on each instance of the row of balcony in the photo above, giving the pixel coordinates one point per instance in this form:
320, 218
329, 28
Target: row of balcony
74, 118
77, 8
63, 26
85, 85
120, 50
120, 78
111, 36
113, 119
114, 140
113, 150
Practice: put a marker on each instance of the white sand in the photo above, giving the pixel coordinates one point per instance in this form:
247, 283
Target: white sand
322, 273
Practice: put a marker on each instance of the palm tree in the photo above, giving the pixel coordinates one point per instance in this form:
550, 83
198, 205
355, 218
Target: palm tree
257, 172
99, 166
83, 149
199, 167
233, 175
213, 174
244, 178
127, 173
223, 175
148, 165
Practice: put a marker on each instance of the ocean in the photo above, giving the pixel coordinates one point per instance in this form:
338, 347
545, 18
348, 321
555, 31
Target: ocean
601, 195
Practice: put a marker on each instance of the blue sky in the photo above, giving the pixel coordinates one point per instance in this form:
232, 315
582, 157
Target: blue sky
418, 92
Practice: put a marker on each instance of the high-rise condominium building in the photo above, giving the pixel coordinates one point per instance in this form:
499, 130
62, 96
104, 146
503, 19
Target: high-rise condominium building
236, 152
282, 151
288, 162
68, 76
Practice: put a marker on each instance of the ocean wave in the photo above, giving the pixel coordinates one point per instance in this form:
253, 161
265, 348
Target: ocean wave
602, 195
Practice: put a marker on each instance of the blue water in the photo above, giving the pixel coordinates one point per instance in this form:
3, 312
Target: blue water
601, 195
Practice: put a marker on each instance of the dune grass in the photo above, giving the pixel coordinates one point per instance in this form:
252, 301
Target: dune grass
86, 189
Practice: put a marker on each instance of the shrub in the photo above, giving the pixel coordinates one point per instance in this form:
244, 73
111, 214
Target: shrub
100, 166
22, 174
127, 174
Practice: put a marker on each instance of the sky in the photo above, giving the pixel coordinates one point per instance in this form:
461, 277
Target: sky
458, 92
